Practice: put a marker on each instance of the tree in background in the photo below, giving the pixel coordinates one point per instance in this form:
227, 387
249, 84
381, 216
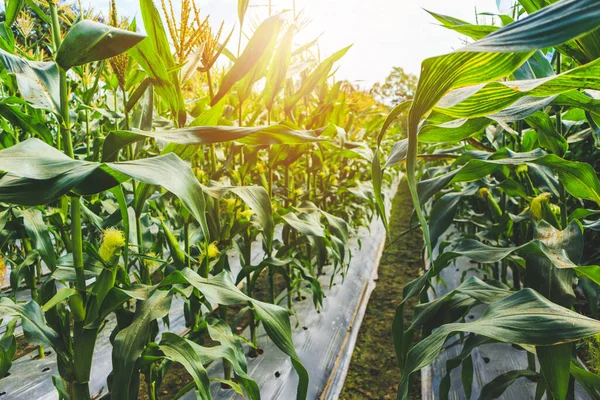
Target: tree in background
398, 87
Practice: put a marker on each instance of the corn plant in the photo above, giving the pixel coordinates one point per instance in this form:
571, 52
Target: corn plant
133, 165
518, 106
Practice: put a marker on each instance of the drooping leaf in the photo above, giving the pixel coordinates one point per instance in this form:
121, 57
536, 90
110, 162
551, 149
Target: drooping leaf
552, 25
524, 318
304, 224
35, 167
38, 81
201, 135
34, 325
89, 41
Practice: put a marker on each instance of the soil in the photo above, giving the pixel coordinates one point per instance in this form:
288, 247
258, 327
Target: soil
374, 373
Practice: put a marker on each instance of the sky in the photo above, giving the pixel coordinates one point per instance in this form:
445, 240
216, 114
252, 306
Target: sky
384, 33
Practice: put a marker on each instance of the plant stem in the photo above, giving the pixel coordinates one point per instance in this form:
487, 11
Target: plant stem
226, 364
78, 389
76, 233
127, 127
77, 243
210, 87
411, 161
186, 241
144, 271
563, 193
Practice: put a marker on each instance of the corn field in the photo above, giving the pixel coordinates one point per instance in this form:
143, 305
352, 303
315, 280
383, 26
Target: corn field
152, 172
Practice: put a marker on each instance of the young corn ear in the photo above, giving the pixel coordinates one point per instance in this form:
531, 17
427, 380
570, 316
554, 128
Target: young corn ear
112, 240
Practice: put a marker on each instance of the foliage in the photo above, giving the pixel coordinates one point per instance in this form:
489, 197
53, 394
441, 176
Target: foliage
132, 168
510, 140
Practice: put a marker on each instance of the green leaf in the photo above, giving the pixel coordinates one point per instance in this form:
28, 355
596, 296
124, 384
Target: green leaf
36, 168
156, 59
130, 342
377, 179
277, 73
202, 135
316, 77
579, 178
464, 28
61, 295
398, 153
89, 41
257, 45
29, 123
220, 289
396, 111
453, 131
471, 343
555, 364
548, 136
180, 350
257, 198
434, 312
13, 8
553, 25
233, 351
525, 318
486, 99
36, 329
495, 388
442, 214
38, 231
588, 380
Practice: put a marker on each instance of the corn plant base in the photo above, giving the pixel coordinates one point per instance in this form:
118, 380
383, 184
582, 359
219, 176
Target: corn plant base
324, 341
32, 378
489, 360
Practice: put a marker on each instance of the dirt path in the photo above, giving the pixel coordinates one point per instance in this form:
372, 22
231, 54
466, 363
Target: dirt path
373, 372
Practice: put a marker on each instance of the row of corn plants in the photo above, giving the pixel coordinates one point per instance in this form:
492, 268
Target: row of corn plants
132, 165
502, 145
